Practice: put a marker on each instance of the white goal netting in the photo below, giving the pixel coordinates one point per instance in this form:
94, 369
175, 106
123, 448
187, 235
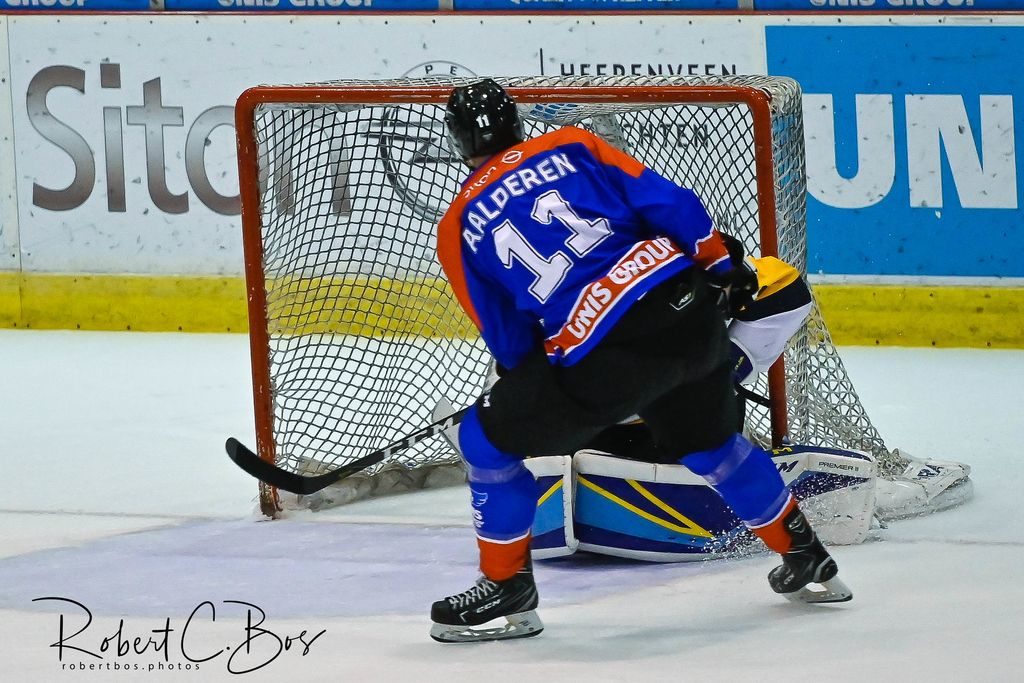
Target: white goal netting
357, 335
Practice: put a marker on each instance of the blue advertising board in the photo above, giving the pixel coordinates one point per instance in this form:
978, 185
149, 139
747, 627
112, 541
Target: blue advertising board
74, 5
913, 157
890, 5
301, 5
593, 5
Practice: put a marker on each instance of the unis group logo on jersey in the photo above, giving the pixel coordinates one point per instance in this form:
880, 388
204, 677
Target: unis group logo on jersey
913, 162
413, 148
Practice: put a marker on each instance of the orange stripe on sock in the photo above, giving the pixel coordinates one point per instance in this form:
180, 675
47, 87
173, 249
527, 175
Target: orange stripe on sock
500, 561
774, 534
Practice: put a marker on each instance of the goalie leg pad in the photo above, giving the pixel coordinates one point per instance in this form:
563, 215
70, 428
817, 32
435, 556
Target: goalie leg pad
553, 528
835, 487
666, 513
646, 511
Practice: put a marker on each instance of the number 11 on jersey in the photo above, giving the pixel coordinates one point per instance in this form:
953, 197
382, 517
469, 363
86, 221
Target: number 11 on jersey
549, 273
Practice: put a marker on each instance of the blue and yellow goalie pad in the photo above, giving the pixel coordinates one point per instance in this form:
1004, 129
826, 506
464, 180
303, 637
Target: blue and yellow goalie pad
599, 503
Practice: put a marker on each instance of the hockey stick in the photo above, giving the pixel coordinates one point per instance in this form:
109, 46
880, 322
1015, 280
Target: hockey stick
752, 396
273, 475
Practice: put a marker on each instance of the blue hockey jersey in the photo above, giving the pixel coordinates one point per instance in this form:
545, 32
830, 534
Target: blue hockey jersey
551, 241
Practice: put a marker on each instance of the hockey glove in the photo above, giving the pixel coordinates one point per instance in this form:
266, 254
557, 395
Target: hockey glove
734, 247
739, 286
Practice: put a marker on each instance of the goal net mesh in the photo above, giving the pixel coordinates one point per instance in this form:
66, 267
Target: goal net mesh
363, 335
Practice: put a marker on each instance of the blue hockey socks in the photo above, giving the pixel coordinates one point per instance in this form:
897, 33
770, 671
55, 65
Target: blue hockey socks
504, 501
747, 480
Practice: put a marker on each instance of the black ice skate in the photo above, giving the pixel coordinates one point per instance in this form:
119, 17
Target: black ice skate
513, 600
807, 562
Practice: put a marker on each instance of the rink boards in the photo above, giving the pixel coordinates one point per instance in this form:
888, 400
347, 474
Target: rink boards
914, 177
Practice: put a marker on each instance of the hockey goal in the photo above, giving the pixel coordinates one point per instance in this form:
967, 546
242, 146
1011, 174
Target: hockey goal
354, 333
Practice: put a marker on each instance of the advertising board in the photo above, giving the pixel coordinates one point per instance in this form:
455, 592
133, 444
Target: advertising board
593, 5
301, 5
912, 151
125, 142
74, 5
951, 6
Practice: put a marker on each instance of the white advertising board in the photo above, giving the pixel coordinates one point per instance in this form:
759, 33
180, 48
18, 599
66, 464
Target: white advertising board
124, 142
9, 255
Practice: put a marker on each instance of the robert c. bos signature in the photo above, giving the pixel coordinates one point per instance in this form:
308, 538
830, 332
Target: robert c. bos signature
257, 646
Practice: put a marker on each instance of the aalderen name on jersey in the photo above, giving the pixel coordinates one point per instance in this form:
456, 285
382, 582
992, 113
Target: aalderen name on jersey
602, 295
515, 184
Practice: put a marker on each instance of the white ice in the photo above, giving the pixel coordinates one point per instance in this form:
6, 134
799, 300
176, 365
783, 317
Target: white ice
119, 496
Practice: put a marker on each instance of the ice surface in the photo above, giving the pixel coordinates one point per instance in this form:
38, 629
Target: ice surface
120, 497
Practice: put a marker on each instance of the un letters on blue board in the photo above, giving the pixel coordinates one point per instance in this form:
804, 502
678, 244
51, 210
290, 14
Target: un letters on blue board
913, 150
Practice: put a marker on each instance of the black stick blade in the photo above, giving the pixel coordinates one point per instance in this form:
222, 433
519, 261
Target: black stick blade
270, 474
273, 475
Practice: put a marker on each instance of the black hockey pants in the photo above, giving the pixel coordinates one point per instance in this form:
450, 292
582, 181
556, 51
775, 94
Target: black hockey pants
666, 360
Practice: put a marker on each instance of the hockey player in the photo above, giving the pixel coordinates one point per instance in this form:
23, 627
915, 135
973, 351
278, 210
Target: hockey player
599, 286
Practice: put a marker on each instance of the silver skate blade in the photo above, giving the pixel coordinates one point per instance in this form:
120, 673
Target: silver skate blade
521, 625
833, 590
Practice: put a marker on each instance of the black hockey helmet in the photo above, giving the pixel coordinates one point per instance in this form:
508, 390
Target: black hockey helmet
482, 119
